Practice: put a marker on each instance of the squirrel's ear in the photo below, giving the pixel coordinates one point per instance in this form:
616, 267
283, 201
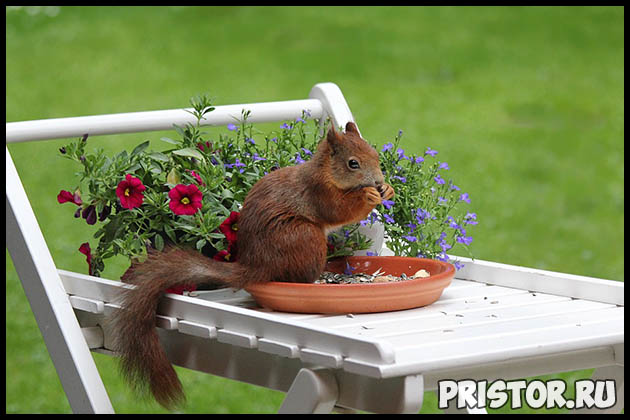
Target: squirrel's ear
352, 128
333, 138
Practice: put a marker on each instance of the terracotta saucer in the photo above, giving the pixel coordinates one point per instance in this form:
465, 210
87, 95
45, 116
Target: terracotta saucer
360, 298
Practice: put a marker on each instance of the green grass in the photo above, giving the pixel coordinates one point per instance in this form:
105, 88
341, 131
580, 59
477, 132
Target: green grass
525, 104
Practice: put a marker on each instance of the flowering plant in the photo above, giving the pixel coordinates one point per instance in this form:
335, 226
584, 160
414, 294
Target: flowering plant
190, 194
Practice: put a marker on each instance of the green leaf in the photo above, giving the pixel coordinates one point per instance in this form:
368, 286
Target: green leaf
139, 148
189, 152
169, 140
159, 156
159, 242
200, 244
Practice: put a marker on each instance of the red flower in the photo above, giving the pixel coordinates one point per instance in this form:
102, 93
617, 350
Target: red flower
185, 199
179, 290
85, 249
66, 196
129, 191
229, 227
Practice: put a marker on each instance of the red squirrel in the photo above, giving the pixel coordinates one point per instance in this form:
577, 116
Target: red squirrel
283, 226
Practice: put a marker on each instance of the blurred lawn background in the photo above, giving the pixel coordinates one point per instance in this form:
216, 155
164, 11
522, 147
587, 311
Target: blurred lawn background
526, 105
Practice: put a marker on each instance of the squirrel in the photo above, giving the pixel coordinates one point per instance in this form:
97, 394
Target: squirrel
282, 229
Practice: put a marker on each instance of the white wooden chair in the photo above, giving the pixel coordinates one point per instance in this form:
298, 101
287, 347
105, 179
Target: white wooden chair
494, 321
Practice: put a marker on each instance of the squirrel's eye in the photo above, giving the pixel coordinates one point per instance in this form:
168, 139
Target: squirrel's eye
353, 164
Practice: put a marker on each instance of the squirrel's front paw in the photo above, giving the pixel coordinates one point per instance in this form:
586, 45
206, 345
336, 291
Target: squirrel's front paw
386, 191
372, 196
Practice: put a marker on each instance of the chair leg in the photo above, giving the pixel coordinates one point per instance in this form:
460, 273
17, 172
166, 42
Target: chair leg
615, 373
313, 391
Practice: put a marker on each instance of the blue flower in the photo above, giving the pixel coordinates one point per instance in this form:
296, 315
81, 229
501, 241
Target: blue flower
371, 254
439, 179
250, 140
388, 218
412, 227
275, 139
443, 165
232, 127
458, 265
420, 255
306, 112
464, 197
300, 120
400, 178
307, 152
431, 152
388, 204
286, 126
256, 157
410, 238
298, 158
401, 154
387, 147
454, 187
441, 200
419, 159
443, 257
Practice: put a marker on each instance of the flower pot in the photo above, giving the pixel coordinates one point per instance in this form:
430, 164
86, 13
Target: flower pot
360, 298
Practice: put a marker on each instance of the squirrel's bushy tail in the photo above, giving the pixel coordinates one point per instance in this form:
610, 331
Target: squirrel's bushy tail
143, 361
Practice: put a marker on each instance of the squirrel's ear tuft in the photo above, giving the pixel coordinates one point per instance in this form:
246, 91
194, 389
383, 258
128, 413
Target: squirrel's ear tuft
352, 128
333, 138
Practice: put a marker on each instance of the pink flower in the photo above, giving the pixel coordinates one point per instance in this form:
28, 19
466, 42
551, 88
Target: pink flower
185, 199
129, 191
197, 177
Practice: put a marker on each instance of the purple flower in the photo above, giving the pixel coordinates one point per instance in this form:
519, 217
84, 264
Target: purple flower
307, 152
410, 238
421, 215
250, 140
387, 147
401, 154
236, 164
454, 187
388, 204
466, 240
400, 178
348, 270
256, 157
306, 112
439, 179
431, 152
443, 165
458, 265
441, 200
443, 257
470, 219
400, 133
370, 254
420, 255
286, 126
464, 197
298, 158
232, 127
275, 139
412, 227
419, 159
300, 120
388, 218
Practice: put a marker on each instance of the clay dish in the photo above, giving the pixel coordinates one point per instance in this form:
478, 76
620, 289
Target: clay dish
360, 298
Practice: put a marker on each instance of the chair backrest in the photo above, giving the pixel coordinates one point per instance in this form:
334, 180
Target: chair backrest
30, 254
